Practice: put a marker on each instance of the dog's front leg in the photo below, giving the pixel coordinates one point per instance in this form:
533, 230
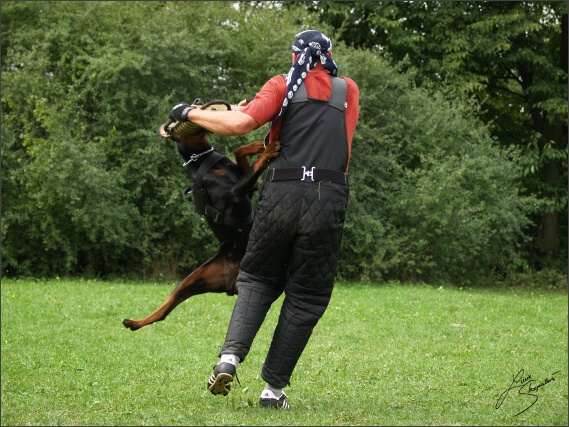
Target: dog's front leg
243, 186
242, 153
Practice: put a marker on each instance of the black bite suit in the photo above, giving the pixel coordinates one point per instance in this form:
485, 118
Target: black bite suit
295, 241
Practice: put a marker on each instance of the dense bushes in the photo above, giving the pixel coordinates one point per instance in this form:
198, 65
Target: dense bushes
433, 196
88, 188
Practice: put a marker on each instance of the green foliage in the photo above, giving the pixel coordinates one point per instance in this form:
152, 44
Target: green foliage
85, 180
511, 56
434, 194
550, 279
92, 190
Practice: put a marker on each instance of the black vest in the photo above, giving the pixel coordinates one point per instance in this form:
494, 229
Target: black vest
313, 132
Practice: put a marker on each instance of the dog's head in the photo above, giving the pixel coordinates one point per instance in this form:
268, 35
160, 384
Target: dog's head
188, 128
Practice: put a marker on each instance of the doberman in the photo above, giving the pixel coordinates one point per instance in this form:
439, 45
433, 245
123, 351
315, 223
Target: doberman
222, 191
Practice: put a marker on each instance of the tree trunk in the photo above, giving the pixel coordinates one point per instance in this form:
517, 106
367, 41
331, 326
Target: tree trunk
550, 227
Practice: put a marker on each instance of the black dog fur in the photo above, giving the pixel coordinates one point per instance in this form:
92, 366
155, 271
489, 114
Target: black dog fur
229, 186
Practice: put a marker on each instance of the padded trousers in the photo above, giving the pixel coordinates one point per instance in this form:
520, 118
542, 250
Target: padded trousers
293, 248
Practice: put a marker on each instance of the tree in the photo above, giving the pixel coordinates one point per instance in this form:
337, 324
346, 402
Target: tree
92, 190
85, 180
430, 191
511, 56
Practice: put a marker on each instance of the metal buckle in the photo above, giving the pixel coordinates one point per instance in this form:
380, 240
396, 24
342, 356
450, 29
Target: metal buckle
218, 217
305, 173
189, 194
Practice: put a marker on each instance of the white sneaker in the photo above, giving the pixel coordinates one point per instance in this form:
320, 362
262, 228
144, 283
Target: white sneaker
269, 400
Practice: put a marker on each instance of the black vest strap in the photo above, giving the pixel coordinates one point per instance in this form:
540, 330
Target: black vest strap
207, 164
337, 97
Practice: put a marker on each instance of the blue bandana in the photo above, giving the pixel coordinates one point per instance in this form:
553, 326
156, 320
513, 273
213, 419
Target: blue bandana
311, 47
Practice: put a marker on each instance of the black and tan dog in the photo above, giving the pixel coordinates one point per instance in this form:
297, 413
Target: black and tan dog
222, 193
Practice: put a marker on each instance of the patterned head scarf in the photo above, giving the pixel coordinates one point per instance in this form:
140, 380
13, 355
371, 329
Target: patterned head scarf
311, 47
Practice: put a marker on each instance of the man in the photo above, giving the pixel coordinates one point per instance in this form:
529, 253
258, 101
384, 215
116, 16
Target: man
295, 241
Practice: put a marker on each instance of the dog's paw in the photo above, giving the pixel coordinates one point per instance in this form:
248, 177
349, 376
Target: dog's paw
272, 149
128, 323
256, 147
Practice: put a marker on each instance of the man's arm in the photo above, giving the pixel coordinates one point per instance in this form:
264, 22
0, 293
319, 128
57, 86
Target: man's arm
235, 122
226, 123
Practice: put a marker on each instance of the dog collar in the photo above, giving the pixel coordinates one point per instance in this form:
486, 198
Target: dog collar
195, 157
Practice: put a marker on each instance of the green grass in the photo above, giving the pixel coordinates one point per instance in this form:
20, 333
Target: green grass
381, 355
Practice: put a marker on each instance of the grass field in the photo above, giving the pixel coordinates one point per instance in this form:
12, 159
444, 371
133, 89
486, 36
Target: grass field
381, 355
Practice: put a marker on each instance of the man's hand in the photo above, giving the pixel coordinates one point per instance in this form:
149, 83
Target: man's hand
245, 102
180, 112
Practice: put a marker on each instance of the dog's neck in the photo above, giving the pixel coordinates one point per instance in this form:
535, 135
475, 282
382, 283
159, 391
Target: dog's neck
193, 156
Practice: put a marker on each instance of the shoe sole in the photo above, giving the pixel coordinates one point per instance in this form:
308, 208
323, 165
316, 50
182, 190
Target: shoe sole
222, 384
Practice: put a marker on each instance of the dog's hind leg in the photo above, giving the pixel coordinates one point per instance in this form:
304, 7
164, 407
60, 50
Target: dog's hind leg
216, 275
